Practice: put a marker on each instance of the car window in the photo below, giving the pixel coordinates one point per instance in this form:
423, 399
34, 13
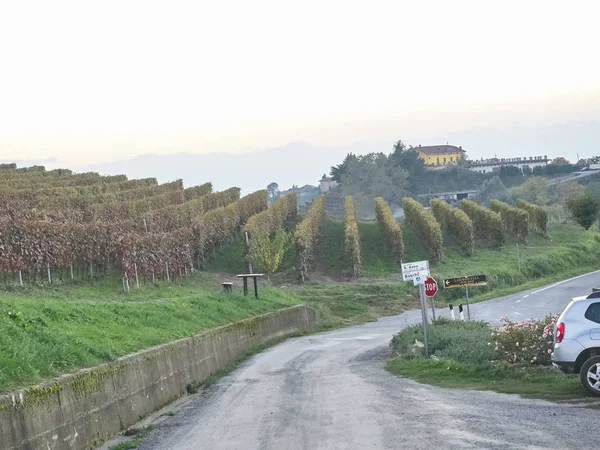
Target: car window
593, 312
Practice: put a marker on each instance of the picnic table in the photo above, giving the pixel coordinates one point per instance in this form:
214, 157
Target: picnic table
254, 276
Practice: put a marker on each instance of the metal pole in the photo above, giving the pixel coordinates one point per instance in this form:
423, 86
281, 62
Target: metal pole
20, 278
433, 307
49, 274
71, 271
424, 316
468, 309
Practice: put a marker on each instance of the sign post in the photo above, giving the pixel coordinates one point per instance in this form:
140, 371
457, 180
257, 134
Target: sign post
430, 291
418, 272
475, 280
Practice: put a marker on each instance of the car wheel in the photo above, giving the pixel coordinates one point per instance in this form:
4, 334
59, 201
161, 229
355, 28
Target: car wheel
590, 375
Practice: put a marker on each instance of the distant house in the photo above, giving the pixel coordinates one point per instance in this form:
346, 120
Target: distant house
305, 194
494, 164
326, 184
454, 196
440, 155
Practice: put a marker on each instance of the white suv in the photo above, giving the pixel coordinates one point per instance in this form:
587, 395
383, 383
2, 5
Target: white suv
577, 341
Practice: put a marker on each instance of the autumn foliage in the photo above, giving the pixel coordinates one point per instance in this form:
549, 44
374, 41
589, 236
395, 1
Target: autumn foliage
86, 224
516, 221
352, 237
308, 233
487, 224
426, 226
390, 228
456, 222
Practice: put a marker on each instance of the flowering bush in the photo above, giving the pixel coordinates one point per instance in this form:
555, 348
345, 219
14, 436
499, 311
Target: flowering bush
529, 342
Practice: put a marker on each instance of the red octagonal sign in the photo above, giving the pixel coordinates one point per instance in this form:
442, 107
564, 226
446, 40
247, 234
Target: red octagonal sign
430, 287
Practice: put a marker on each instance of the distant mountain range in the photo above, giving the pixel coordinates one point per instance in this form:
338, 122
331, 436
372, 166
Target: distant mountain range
304, 163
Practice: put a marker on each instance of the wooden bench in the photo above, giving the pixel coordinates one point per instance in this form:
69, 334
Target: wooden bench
227, 286
254, 276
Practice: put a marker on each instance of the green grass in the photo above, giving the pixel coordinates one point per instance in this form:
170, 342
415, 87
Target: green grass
52, 330
346, 304
462, 357
528, 382
49, 331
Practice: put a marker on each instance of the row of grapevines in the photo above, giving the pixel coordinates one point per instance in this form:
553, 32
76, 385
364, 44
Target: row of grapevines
538, 217
280, 214
390, 229
352, 237
425, 224
515, 220
183, 214
456, 222
308, 233
487, 224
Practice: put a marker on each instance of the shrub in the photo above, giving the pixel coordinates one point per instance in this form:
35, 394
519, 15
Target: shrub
352, 237
538, 217
390, 228
462, 341
457, 222
584, 210
487, 224
515, 220
529, 342
425, 224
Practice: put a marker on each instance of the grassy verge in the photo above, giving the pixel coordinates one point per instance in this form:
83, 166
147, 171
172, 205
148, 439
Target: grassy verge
463, 357
528, 382
340, 305
48, 331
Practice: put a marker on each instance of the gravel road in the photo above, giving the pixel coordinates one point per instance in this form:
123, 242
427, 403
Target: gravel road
330, 391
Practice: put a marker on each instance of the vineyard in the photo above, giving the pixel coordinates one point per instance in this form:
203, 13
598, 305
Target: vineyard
60, 225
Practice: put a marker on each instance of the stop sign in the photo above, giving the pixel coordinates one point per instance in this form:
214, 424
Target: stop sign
430, 287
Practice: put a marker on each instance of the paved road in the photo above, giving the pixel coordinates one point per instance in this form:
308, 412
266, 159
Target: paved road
330, 391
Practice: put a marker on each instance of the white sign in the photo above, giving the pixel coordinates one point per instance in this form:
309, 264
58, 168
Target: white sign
415, 266
420, 279
408, 276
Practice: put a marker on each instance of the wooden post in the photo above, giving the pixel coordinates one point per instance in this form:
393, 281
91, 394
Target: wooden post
20, 277
255, 287
137, 278
71, 266
91, 269
247, 244
49, 274
245, 285
167, 270
153, 278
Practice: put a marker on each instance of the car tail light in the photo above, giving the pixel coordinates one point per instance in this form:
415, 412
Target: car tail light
560, 332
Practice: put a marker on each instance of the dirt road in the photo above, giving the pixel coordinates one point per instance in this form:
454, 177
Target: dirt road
330, 391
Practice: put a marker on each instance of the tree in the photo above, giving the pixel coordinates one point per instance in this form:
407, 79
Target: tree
560, 160
371, 176
266, 252
584, 210
338, 172
273, 191
407, 159
492, 189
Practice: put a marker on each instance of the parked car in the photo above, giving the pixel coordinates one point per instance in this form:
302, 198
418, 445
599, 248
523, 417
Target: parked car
577, 341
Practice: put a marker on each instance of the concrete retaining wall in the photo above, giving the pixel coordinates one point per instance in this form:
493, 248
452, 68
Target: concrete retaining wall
82, 410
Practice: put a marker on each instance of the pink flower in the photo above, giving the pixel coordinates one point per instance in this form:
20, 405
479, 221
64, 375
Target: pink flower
549, 351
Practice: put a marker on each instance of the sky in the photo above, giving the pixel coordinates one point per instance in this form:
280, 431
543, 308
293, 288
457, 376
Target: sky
94, 82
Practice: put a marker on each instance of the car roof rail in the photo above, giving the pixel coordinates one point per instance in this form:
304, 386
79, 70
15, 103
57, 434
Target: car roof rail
595, 294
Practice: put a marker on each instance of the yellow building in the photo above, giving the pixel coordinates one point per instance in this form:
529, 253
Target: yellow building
440, 155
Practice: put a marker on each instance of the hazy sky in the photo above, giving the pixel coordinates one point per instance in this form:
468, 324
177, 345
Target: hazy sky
95, 81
